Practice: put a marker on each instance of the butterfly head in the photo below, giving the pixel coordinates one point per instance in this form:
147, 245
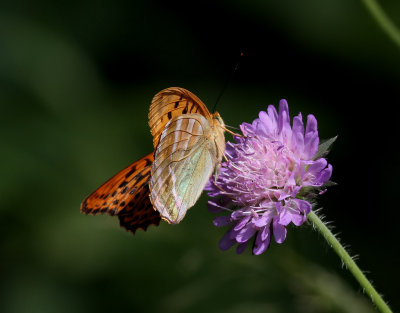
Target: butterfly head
218, 120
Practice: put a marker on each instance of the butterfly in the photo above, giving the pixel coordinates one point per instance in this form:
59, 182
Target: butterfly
189, 144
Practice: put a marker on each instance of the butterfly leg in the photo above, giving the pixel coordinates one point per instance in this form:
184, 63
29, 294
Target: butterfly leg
217, 168
221, 152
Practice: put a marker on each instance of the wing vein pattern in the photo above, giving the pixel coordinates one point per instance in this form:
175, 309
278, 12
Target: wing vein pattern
181, 169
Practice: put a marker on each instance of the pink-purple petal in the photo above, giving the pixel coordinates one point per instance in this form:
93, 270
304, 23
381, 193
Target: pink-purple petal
264, 220
285, 217
312, 125
261, 245
273, 115
226, 241
311, 142
298, 142
279, 232
242, 222
303, 205
298, 126
283, 117
241, 247
324, 175
265, 233
298, 219
266, 126
246, 233
317, 166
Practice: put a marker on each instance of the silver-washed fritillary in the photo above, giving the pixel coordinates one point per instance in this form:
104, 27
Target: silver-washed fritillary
189, 143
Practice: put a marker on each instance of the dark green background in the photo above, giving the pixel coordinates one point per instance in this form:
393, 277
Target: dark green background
76, 81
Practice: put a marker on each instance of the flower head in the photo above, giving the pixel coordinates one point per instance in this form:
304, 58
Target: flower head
270, 179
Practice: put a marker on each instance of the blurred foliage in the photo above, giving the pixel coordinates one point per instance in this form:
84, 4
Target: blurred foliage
76, 80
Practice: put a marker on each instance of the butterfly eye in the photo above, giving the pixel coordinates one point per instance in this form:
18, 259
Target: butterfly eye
221, 122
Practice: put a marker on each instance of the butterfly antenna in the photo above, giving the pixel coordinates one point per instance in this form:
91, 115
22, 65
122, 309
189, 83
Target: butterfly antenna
229, 79
232, 127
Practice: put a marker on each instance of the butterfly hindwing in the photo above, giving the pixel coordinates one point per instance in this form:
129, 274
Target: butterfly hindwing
126, 194
169, 103
185, 159
142, 214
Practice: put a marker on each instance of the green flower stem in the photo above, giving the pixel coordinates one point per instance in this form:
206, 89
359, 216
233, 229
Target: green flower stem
349, 262
383, 20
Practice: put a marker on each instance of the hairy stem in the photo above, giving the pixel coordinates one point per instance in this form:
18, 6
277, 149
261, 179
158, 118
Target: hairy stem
383, 20
349, 262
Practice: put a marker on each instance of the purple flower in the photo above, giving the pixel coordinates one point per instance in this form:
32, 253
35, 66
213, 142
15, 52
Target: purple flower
270, 179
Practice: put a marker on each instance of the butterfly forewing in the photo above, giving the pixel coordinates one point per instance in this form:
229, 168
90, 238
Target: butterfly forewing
126, 194
169, 103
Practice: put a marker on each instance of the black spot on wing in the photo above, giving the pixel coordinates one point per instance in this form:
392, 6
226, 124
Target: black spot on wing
133, 169
191, 107
123, 184
132, 191
148, 162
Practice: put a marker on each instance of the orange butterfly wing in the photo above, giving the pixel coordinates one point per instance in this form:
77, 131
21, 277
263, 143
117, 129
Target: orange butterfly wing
171, 102
126, 194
